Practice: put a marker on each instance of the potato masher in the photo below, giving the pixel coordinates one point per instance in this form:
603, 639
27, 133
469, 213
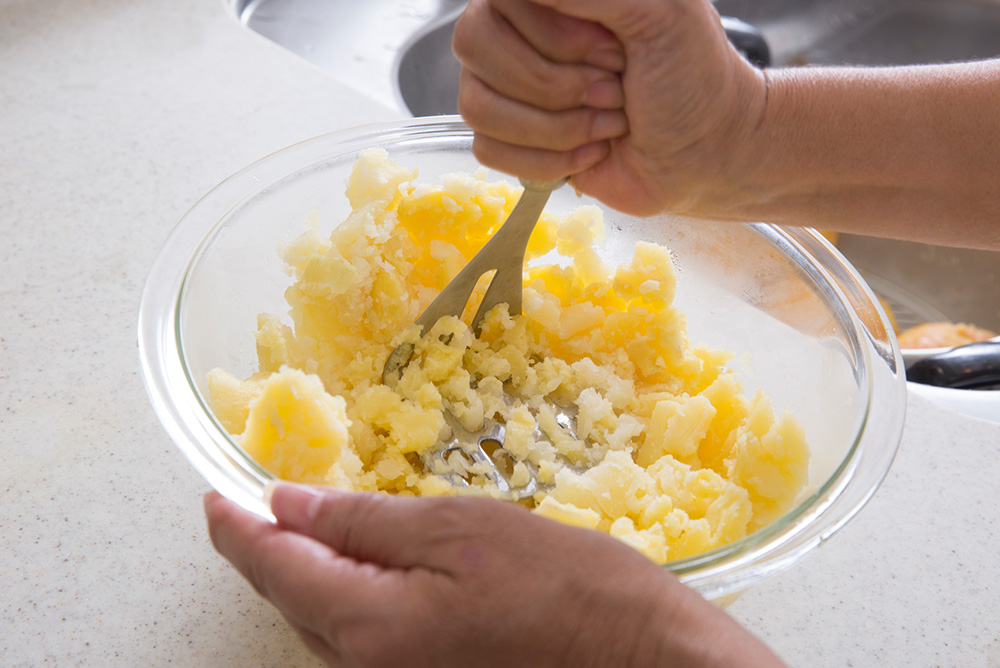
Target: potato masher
504, 253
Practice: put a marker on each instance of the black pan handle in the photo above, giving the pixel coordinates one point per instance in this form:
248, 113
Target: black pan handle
976, 365
748, 40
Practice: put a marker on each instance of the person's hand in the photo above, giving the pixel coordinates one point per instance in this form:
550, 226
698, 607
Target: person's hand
377, 580
644, 102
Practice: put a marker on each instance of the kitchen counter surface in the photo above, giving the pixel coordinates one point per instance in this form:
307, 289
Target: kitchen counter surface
115, 116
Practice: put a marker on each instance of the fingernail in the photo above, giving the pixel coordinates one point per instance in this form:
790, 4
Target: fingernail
605, 94
610, 57
609, 124
294, 506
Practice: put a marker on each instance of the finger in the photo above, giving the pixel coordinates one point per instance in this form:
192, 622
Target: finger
312, 585
507, 120
562, 38
538, 164
492, 49
374, 528
431, 534
231, 529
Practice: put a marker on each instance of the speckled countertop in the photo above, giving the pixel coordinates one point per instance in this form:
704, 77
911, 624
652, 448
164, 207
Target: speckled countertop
115, 116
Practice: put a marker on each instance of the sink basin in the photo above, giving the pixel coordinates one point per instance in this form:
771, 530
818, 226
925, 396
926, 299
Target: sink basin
426, 72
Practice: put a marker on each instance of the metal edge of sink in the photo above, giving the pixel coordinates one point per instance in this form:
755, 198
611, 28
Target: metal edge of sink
355, 43
427, 57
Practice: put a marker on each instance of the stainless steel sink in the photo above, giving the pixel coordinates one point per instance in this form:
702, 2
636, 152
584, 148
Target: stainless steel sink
926, 283
399, 52
873, 32
356, 41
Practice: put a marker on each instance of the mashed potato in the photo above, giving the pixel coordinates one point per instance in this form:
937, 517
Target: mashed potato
666, 453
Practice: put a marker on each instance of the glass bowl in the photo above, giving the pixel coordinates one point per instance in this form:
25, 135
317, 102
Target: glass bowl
800, 319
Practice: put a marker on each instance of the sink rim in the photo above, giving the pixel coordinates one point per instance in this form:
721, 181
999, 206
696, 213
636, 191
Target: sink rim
407, 49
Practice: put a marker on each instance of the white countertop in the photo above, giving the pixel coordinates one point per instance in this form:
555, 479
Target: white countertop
115, 116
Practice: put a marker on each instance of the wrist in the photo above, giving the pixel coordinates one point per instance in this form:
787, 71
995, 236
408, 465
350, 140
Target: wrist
725, 174
895, 152
683, 630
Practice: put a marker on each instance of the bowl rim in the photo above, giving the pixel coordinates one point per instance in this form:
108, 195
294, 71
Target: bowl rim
716, 573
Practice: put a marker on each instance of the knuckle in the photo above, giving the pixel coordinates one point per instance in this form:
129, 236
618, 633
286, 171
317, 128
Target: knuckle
258, 566
474, 109
566, 130
449, 511
461, 41
470, 89
570, 43
587, 125
354, 517
466, 105
466, 38
551, 89
581, 160
482, 151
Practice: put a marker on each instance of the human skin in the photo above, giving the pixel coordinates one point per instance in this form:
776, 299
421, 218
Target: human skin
376, 580
907, 152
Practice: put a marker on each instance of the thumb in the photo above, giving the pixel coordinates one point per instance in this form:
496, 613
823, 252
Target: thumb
390, 531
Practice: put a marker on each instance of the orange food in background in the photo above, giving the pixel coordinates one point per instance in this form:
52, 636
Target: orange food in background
943, 335
832, 237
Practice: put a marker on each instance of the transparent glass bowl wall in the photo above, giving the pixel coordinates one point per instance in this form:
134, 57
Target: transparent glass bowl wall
804, 326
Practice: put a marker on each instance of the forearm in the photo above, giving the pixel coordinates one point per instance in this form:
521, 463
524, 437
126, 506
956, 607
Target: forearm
904, 152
